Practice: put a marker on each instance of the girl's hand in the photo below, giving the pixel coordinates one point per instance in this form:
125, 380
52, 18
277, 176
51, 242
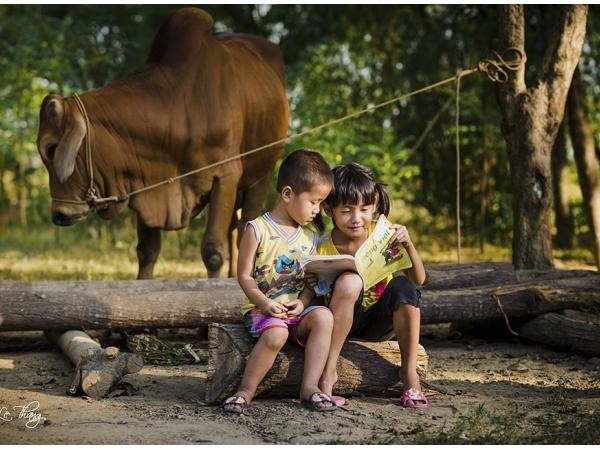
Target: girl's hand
275, 309
310, 279
400, 236
294, 308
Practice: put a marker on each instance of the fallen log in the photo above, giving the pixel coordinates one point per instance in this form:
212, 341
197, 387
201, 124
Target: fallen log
365, 367
461, 276
97, 369
192, 303
517, 300
114, 305
563, 332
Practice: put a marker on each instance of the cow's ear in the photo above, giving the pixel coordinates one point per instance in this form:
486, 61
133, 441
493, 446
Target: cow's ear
53, 109
70, 142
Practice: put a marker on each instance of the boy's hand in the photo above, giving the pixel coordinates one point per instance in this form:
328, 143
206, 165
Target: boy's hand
294, 308
400, 236
275, 309
311, 279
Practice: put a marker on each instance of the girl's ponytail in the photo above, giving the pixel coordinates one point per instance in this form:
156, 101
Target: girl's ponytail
383, 200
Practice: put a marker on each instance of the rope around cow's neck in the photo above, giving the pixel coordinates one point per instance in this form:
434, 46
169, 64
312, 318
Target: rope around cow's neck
495, 69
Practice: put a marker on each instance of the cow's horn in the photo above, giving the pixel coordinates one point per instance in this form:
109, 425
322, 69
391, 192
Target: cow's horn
66, 151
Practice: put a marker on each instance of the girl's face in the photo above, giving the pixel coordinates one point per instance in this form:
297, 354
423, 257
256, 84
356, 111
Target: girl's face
353, 220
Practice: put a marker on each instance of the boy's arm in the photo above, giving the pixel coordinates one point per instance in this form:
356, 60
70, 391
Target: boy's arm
246, 256
306, 296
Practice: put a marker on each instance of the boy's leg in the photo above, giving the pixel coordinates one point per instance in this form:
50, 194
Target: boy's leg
261, 360
315, 330
347, 289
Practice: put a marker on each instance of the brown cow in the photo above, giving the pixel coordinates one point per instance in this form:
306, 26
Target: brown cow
200, 98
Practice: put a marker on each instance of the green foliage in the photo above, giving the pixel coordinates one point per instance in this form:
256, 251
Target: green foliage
340, 59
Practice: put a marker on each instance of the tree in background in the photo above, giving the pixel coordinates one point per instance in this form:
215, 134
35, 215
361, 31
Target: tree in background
531, 118
585, 157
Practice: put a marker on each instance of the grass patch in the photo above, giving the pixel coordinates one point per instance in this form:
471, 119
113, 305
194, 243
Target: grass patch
52, 253
484, 426
98, 250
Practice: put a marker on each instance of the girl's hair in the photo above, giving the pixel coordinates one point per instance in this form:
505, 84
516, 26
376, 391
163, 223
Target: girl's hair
353, 183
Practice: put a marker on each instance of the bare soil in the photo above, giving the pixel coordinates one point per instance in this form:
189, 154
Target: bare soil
481, 390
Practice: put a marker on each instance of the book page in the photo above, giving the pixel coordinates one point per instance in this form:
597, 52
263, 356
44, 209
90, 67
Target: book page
328, 267
375, 260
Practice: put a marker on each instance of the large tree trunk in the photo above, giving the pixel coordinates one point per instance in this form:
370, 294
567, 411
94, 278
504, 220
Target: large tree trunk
563, 213
585, 158
530, 121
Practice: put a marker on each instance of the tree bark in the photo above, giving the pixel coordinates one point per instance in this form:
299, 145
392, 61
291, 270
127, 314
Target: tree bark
97, 370
563, 213
118, 304
192, 303
585, 159
562, 332
530, 121
363, 366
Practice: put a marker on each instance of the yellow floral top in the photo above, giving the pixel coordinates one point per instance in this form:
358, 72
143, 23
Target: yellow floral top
277, 268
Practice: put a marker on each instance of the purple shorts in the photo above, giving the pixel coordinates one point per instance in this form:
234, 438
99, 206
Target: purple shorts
256, 323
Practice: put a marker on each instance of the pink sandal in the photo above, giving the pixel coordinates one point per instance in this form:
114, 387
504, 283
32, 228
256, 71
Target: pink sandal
236, 404
413, 398
338, 400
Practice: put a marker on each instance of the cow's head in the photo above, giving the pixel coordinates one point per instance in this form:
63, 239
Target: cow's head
60, 139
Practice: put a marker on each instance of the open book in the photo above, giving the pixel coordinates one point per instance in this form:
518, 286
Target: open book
373, 261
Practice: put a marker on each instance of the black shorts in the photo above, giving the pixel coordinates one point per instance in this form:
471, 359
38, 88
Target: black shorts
376, 323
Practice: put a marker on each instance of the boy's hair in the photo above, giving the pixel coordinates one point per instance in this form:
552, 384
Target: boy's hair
302, 169
352, 183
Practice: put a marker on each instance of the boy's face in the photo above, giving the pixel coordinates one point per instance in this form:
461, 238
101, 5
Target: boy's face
305, 206
353, 220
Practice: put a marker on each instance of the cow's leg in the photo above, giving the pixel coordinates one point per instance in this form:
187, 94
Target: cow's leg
220, 210
148, 249
233, 244
252, 205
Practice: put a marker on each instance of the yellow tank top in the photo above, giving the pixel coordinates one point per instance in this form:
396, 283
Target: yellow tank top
370, 297
276, 266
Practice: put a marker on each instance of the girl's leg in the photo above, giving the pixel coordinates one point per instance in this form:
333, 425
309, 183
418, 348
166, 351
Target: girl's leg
316, 328
347, 289
407, 320
261, 360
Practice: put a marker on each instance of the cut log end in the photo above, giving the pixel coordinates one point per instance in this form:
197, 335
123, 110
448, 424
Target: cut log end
97, 370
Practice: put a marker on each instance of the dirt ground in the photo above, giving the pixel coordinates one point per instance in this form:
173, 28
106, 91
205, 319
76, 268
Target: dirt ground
481, 390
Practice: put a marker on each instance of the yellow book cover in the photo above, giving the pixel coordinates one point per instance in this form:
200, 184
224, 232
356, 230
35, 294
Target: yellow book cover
373, 261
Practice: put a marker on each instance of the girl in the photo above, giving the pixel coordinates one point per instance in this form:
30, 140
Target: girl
392, 305
269, 273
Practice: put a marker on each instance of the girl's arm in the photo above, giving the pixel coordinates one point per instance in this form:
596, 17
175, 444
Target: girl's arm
416, 273
246, 256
